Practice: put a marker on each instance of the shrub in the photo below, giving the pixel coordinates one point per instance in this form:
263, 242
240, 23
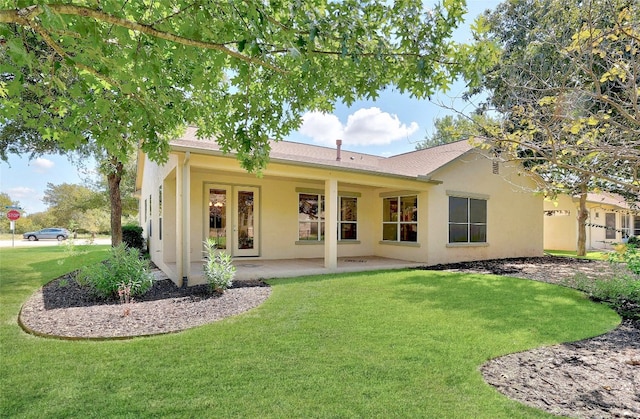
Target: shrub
132, 237
635, 240
218, 268
628, 254
124, 267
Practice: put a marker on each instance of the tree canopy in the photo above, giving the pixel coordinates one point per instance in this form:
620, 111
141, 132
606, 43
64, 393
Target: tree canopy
129, 74
451, 128
568, 85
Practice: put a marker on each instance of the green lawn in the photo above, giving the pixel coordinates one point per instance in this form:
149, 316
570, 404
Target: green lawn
593, 255
382, 344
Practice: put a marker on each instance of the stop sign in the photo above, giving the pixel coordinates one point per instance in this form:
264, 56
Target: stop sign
13, 215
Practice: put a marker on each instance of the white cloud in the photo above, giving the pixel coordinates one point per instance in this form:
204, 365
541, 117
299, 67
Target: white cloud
20, 193
42, 165
366, 126
322, 127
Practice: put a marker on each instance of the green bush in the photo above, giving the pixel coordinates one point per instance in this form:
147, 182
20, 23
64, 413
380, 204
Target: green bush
627, 254
622, 292
124, 267
635, 240
218, 268
132, 237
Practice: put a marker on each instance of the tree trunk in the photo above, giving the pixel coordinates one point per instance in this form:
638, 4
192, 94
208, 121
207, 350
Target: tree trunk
583, 215
114, 177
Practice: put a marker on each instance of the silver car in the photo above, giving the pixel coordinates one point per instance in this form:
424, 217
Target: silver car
47, 233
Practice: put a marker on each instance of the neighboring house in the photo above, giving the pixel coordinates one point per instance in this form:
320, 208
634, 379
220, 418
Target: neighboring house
611, 220
439, 205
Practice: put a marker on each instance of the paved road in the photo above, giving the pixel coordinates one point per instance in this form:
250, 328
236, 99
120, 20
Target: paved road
20, 242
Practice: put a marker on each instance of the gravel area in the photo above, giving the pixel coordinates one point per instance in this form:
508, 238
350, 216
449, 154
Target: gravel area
63, 309
593, 378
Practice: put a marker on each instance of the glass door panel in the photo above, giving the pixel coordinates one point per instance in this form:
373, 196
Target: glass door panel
218, 216
246, 221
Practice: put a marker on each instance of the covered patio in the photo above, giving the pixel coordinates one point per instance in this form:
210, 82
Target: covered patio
248, 269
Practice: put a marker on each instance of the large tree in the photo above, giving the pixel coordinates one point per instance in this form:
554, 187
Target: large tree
450, 128
567, 86
244, 71
68, 202
124, 75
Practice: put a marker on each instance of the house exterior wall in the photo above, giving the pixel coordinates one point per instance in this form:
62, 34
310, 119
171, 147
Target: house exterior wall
560, 224
161, 251
514, 225
597, 237
513, 214
561, 231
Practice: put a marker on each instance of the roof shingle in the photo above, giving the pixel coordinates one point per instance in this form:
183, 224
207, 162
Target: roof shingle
416, 163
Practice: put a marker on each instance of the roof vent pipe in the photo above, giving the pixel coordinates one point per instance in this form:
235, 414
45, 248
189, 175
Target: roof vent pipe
339, 145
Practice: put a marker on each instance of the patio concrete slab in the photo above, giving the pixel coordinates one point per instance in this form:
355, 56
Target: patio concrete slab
247, 269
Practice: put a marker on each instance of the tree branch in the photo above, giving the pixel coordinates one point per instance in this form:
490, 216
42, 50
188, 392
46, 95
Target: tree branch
25, 17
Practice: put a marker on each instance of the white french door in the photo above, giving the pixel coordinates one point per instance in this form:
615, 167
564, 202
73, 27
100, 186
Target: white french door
232, 219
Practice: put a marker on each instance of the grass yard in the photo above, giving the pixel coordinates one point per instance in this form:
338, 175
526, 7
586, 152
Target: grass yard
593, 255
382, 344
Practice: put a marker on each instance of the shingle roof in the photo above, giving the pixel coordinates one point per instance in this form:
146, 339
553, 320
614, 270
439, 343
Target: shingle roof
608, 199
416, 163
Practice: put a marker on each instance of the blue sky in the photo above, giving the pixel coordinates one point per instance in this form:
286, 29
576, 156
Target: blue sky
392, 124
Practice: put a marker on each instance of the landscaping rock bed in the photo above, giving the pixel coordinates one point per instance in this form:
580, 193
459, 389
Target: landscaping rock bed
594, 378
64, 309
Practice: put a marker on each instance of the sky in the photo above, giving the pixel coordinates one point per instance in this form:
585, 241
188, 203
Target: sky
392, 124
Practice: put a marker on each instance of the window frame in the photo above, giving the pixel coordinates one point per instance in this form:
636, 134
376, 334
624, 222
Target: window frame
320, 222
341, 222
470, 221
399, 223
625, 225
320, 197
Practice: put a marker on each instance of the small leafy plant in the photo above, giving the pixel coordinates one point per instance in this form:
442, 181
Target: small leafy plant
123, 268
124, 293
218, 269
627, 253
622, 290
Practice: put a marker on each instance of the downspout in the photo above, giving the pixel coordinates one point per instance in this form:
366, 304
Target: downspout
186, 236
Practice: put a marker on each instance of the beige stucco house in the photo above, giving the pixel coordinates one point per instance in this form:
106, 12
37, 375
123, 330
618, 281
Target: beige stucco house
444, 204
611, 219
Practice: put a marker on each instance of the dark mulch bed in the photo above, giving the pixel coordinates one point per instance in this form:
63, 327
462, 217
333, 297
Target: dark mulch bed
65, 293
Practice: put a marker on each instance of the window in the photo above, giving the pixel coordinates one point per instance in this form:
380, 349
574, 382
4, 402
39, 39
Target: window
625, 225
160, 213
400, 218
610, 225
348, 219
311, 221
636, 225
467, 220
310, 216
557, 213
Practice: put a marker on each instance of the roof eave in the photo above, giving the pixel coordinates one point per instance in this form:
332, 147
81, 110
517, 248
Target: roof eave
218, 153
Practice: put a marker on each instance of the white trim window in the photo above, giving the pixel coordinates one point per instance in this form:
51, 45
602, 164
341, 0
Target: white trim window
400, 218
348, 218
311, 222
310, 217
467, 220
610, 226
625, 225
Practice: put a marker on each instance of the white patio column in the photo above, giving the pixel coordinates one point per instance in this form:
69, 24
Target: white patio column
178, 222
331, 223
185, 204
